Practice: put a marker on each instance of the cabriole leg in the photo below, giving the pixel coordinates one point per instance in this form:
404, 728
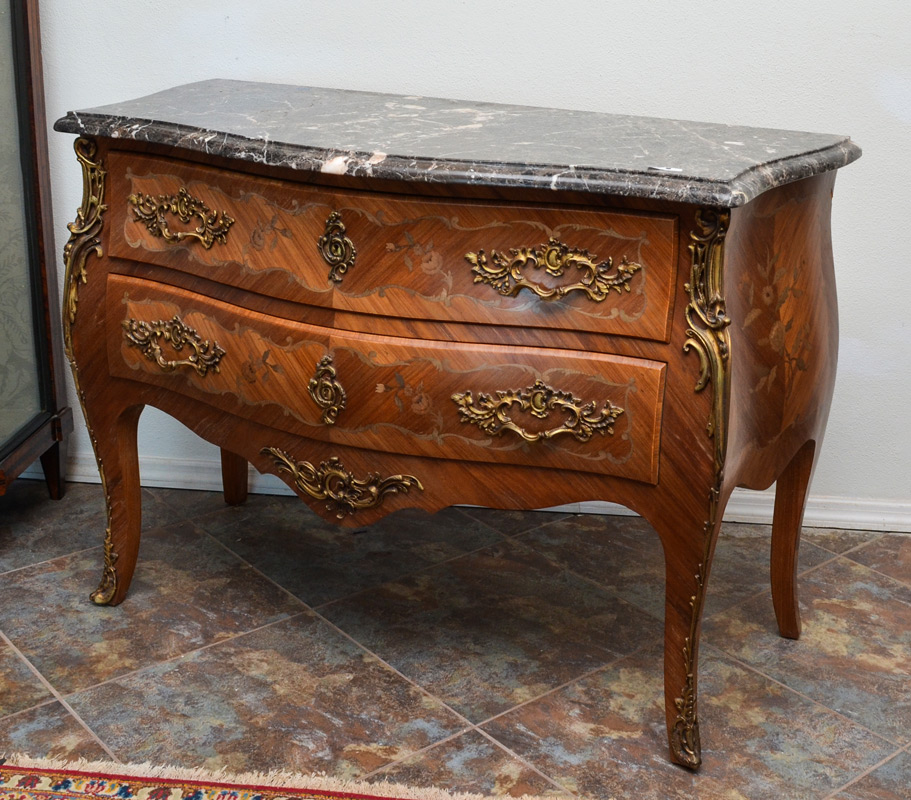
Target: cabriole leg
790, 501
118, 462
688, 552
234, 477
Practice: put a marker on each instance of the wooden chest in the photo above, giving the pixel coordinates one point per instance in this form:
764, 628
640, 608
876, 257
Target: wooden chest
440, 324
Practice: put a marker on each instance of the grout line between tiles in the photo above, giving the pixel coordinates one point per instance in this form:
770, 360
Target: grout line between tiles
60, 699
350, 638
514, 754
421, 571
246, 563
404, 677
379, 771
563, 685
49, 702
562, 516
50, 560
470, 726
179, 656
847, 557
766, 592
881, 535
863, 774
805, 696
359, 591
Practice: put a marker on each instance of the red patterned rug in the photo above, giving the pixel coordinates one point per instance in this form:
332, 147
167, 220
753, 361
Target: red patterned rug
34, 779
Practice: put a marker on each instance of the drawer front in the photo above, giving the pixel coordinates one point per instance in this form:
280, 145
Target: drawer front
532, 406
372, 253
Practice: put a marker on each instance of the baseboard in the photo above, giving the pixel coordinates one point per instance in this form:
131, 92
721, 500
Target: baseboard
869, 514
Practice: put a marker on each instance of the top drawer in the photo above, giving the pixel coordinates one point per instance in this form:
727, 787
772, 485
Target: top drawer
382, 254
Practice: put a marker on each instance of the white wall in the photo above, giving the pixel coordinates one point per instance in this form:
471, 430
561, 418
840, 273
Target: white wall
823, 65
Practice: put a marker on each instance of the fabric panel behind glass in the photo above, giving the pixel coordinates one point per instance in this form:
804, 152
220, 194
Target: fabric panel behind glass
20, 398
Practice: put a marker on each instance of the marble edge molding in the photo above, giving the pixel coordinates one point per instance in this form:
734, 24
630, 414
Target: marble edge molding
738, 191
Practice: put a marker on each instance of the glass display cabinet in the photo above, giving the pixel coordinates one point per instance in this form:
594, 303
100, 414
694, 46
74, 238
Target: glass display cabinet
34, 418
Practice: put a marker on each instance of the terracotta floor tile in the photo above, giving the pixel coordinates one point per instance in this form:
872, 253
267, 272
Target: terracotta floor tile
511, 523
48, 731
494, 628
318, 561
187, 592
891, 781
604, 736
624, 554
838, 541
889, 554
854, 655
295, 696
474, 764
34, 528
483, 630
190, 503
19, 686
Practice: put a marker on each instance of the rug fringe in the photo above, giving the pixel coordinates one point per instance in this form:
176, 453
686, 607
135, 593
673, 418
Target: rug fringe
277, 779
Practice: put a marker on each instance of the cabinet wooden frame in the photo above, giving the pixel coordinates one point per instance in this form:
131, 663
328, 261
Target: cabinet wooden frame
43, 436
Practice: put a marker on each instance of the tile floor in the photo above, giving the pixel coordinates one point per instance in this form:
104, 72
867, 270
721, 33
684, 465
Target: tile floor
474, 650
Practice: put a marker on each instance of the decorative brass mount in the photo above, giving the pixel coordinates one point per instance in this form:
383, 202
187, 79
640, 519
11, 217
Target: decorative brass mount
85, 233
326, 391
507, 277
151, 212
331, 481
707, 320
146, 336
491, 414
85, 239
337, 250
707, 334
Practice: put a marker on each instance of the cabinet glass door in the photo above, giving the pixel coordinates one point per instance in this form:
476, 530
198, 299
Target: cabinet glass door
20, 381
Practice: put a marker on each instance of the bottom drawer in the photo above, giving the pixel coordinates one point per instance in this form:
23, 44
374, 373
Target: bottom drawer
531, 406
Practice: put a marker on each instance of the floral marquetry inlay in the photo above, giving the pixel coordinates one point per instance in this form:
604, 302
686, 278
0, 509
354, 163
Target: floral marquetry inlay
774, 294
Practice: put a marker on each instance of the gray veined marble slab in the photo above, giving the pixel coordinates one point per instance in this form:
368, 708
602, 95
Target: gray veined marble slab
452, 141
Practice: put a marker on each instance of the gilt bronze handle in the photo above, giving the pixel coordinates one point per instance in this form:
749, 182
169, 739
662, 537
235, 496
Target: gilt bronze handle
147, 336
506, 273
152, 212
337, 250
491, 413
331, 481
326, 391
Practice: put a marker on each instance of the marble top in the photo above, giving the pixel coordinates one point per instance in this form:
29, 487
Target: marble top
453, 141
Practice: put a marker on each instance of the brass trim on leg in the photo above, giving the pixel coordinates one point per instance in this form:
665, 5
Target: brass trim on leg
85, 233
85, 239
707, 320
708, 335
107, 588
